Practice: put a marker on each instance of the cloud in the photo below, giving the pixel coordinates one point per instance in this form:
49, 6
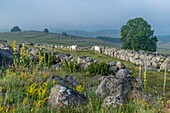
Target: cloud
82, 14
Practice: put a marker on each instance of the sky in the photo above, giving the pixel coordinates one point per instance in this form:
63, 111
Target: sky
83, 14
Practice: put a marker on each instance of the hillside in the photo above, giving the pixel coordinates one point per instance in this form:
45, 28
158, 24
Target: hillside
58, 38
104, 32
164, 41
52, 38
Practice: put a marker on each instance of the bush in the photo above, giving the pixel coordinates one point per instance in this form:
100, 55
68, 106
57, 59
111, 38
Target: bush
70, 66
98, 68
15, 29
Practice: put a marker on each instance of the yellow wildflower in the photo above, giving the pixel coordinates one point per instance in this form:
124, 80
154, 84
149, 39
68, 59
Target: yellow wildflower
7, 72
144, 80
11, 100
14, 46
15, 52
24, 101
1, 108
102, 110
32, 89
13, 110
40, 102
79, 88
23, 75
41, 91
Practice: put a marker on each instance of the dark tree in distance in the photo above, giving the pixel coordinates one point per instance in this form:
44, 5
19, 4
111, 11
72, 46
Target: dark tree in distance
138, 35
15, 29
46, 30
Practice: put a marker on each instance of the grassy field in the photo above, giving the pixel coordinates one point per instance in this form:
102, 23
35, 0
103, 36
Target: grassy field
51, 38
155, 79
22, 97
165, 51
22, 85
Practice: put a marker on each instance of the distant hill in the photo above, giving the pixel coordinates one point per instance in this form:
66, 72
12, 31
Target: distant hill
164, 38
164, 41
94, 34
39, 37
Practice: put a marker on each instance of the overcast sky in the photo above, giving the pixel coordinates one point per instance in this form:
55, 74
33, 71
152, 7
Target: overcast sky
83, 14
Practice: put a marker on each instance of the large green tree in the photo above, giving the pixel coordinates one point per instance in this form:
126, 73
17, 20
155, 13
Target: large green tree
138, 35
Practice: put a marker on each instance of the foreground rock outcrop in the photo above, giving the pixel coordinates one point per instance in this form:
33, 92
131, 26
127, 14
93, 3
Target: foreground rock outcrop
115, 87
67, 81
6, 57
61, 96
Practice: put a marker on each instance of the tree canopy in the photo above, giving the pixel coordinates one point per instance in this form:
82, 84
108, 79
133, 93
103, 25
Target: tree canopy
138, 35
46, 30
15, 29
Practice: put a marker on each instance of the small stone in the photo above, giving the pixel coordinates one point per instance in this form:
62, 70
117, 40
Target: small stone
120, 65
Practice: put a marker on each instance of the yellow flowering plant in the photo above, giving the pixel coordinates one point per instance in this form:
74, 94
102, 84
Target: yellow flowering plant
32, 89
144, 81
14, 47
42, 90
79, 88
23, 56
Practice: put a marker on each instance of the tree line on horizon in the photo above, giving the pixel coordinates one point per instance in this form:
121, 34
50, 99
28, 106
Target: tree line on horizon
17, 29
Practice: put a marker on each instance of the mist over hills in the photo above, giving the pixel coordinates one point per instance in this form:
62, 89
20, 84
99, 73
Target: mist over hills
94, 34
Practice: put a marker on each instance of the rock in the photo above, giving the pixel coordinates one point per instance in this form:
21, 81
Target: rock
58, 79
2, 46
121, 73
57, 66
87, 65
156, 59
112, 63
115, 89
59, 57
113, 69
139, 83
152, 68
6, 57
120, 65
67, 81
63, 56
136, 56
165, 64
109, 85
61, 96
113, 101
84, 60
34, 52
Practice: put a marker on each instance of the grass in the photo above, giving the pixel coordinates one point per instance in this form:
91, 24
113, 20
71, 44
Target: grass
17, 83
16, 92
165, 51
155, 79
51, 38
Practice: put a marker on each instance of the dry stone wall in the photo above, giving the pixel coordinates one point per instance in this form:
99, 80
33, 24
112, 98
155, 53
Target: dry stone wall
139, 58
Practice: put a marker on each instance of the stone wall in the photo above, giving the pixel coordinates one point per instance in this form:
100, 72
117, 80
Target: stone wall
143, 58
152, 61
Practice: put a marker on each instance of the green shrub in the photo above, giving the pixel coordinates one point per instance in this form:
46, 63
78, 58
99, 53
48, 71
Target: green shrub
70, 66
98, 68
